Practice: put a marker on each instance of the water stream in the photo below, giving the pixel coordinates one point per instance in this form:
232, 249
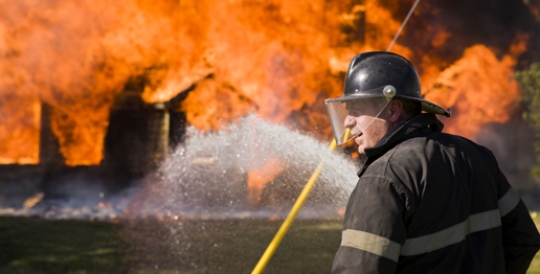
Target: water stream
201, 188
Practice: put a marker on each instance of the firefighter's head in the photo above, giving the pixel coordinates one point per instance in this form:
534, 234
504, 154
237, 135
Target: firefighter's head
381, 90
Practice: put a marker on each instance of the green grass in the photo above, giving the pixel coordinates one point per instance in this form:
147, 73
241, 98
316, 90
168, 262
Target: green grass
235, 246
33, 245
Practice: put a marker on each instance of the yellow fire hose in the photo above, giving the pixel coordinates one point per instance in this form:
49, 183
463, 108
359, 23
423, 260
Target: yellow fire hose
267, 255
309, 185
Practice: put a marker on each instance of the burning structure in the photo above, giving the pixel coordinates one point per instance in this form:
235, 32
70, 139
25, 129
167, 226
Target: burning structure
96, 91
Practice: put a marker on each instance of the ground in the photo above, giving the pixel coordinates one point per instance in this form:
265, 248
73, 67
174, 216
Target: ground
34, 245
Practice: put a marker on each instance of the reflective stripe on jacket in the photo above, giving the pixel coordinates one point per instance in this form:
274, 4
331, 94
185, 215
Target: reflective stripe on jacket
429, 202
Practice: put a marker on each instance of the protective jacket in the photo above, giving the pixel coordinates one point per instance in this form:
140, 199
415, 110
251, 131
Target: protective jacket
430, 202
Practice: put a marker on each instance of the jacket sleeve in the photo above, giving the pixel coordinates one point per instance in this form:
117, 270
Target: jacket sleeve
520, 236
373, 229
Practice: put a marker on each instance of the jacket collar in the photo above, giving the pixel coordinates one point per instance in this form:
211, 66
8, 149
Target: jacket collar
425, 122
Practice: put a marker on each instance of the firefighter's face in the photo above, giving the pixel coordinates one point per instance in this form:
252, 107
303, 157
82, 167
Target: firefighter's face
368, 128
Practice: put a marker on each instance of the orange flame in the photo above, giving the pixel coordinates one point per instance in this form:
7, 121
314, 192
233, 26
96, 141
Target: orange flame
259, 177
22, 130
479, 88
276, 58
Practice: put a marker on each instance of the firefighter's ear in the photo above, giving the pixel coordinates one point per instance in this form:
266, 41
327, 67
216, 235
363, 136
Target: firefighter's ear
395, 109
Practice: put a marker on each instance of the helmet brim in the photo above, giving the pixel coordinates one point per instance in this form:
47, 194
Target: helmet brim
428, 106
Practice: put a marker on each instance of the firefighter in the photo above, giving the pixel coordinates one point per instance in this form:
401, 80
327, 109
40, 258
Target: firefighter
426, 201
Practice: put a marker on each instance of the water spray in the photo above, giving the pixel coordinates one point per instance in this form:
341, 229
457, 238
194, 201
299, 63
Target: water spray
267, 255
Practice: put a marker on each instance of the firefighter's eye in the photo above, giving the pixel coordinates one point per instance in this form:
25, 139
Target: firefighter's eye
355, 113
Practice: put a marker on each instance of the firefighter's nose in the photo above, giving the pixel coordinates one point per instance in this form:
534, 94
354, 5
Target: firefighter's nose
349, 122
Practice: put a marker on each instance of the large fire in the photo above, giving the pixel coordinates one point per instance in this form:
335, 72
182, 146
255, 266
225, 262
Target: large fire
463, 87
276, 58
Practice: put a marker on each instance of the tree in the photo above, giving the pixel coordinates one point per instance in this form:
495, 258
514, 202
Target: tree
529, 81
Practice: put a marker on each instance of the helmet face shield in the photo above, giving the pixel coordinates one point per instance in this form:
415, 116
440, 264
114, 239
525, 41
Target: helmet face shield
351, 115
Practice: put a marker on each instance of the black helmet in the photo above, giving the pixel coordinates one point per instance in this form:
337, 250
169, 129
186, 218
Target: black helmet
372, 70
378, 76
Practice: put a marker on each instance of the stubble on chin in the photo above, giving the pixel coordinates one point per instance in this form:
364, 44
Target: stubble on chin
362, 158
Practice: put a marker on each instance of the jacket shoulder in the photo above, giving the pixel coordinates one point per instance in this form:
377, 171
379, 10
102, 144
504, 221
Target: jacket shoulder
408, 162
